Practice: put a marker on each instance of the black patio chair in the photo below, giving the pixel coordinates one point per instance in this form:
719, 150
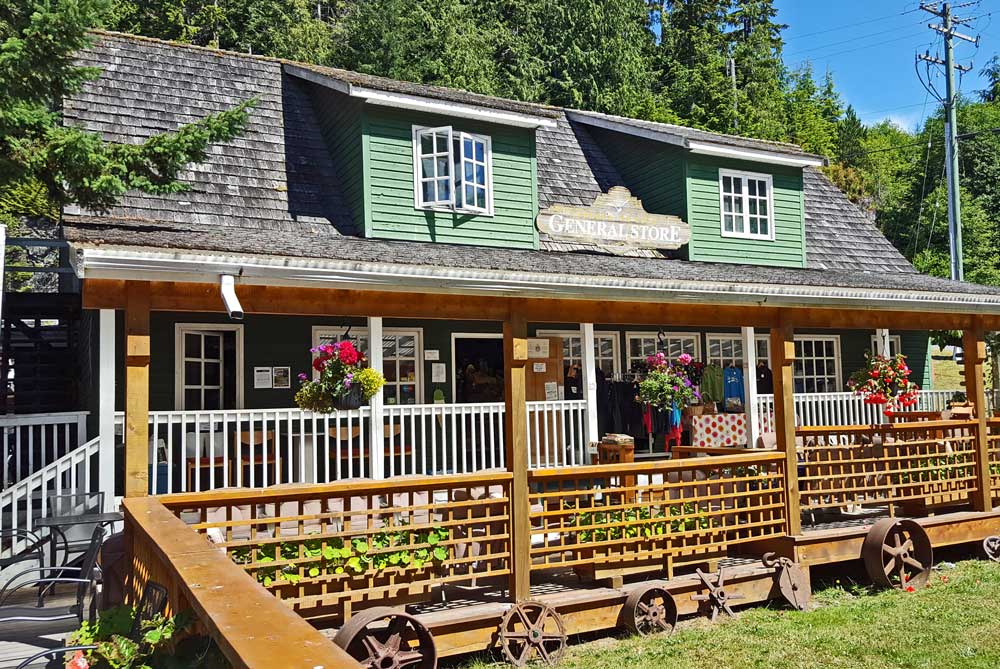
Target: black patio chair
59, 617
75, 539
33, 551
152, 603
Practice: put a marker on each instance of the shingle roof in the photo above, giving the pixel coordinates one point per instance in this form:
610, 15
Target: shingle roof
319, 242
279, 180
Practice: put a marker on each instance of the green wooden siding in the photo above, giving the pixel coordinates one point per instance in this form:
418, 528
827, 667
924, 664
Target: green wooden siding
341, 122
390, 212
704, 216
915, 346
657, 178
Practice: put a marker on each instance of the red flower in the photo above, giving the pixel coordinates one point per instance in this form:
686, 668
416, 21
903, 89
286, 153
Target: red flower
319, 363
910, 588
347, 353
78, 661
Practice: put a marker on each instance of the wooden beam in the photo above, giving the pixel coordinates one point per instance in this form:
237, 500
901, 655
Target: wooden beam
783, 357
515, 358
137, 389
974, 349
285, 300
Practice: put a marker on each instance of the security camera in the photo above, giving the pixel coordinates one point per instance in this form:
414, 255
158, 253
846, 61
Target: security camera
233, 306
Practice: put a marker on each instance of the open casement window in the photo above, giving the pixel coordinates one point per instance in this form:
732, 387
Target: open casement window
452, 170
401, 358
747, 209
208, 368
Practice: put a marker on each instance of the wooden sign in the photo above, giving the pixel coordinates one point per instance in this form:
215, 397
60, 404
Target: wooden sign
617, 221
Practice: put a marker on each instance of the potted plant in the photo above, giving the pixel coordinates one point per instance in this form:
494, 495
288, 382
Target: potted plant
668, 386
342, 380
885, 381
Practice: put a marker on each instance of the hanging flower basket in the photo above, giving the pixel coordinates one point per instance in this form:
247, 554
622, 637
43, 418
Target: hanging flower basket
667, 385
885, 381
343, 380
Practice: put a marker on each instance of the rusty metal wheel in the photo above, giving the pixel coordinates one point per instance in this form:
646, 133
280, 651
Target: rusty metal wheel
792, 580
898, 554
386, 638
991, 547
649, 610
716, 598
531, 630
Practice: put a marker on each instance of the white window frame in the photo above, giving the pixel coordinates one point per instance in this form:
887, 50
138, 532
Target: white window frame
181, 329
629, 336
895, 344
744, 176
335, 332
737, 338
598, 334
838, 375
452, 205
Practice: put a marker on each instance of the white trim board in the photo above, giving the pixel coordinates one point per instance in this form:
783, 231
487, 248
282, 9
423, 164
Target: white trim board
422, 104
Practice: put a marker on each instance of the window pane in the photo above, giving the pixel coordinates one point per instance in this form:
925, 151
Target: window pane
467, 148
389, 370
407, 346
481, 198
428, 191
634, 348
470, 195
407, 394
426, 143
752, 187
763, 207
763, 227
213, 347
212, 399
727, 184
481, 152
481, 175
407, 370
426, 167
192, 373
605, 347
442, 144
738, 186
444, 190
213, 374
192, 345
442, 167
192, 399
753, 207
762, 188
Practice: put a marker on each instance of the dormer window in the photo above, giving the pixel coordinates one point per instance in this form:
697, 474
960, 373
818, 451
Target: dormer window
452, 171
747, 209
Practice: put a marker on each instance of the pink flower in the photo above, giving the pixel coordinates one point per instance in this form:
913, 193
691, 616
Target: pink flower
347, 353
78, 661
684, 359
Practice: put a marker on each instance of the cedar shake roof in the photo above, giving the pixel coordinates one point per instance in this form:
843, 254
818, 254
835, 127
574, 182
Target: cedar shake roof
276, 189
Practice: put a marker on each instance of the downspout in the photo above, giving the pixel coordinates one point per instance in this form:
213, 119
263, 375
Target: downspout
227, 287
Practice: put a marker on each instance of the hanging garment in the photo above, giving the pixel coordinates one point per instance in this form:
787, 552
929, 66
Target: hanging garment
765, 379
711, 384
733, 388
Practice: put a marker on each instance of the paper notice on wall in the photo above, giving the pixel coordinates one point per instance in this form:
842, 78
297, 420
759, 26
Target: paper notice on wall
432, 354
439, 371
538, 367
538, 348
551, 391
262, 377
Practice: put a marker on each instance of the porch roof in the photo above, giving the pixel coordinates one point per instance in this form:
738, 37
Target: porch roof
312, 256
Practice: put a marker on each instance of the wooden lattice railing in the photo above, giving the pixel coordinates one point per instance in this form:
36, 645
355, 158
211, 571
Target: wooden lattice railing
330, 549
931, 463
993, 449
653, 515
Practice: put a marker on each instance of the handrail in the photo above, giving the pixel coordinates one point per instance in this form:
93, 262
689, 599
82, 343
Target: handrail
885, 427
752, 457
313, 491
19, 419
252, 628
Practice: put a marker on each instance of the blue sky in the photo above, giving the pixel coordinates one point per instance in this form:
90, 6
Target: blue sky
869, 46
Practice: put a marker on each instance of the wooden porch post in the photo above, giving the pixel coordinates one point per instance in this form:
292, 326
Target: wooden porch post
750, 384
376, 429
515, 357
106, 405
589, 372
137, 388
974, 346
783, 354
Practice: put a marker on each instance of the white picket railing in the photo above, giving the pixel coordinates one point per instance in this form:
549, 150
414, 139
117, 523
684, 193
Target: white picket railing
30, 442
443, 438
557, 433
822, 409
28, 499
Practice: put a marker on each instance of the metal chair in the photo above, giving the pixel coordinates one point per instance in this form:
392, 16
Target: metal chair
34, 550
75, 539
61, 617
152, 604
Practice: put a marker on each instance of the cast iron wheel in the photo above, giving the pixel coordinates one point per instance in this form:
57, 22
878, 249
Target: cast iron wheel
898, 554
386, 638
717, 598
529, 630
793, 583
991, 546
649, 610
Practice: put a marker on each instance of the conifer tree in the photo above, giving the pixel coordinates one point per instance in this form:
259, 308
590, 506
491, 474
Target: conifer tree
756, 45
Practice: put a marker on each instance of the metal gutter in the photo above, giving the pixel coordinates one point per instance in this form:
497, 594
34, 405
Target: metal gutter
132, 263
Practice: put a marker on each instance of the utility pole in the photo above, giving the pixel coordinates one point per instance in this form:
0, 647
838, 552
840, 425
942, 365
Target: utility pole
947, 28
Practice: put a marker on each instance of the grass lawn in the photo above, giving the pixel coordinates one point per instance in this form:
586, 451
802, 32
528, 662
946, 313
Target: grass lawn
945, 372
954, 623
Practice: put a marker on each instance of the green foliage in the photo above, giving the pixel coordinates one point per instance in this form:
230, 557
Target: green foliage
398, 547
37, 72
115, 650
